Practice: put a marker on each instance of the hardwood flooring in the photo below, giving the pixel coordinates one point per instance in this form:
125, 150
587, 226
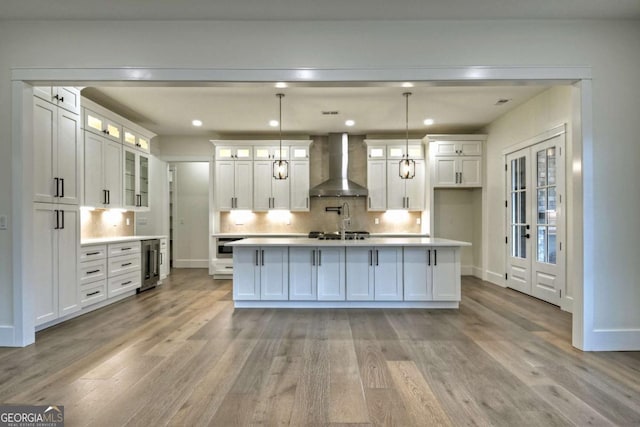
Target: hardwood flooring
182, 356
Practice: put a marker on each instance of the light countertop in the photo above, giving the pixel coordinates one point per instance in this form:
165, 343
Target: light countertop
372, 241
120, 239
278, 235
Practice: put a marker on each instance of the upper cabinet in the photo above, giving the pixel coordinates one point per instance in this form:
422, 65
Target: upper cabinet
57, 153
244, 175
136, 180
67, 98
456, 160
135, 140
101, 125
387, 190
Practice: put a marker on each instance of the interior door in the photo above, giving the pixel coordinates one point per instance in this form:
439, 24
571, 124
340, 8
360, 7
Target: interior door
535, 260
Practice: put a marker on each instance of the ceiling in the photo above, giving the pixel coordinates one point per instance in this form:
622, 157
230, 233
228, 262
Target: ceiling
317, 9
247, 109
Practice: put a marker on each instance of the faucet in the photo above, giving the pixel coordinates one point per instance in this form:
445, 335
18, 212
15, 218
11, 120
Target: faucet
346, 220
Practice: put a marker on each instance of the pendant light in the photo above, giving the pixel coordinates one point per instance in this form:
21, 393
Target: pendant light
407, 166
280, 167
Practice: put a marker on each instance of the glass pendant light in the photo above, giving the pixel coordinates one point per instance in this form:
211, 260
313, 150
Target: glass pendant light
280, 167
407, 165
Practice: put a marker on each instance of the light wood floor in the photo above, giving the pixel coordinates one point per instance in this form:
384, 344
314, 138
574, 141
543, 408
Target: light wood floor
182, 356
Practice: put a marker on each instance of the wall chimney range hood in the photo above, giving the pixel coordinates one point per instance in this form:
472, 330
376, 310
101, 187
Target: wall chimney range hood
338, 184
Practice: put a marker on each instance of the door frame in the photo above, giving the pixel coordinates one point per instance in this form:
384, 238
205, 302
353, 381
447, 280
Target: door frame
566, 301
22, 332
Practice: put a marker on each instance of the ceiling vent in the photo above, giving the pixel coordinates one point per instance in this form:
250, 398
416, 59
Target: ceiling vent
502, 101
329, 113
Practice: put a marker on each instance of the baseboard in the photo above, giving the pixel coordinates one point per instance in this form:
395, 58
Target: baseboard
345, 304
496, 278
7, 336
615, 340
191, 263
476, 272
566, 304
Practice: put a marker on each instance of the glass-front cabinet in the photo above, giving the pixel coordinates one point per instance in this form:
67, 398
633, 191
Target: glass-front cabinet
133, 139
136, 180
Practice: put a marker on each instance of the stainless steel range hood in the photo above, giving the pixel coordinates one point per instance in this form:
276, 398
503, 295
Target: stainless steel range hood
338, 184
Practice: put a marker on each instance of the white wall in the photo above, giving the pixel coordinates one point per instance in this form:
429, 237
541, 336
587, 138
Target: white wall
541, 113
609, 47
191, 224
176, 147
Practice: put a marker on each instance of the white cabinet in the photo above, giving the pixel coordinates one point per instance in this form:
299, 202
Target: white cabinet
405, 193
67, 98
234, 184
377, 185
270, 153
331, 274
136, 140
299, 186
398, 150
164, 258
374, 273
268, 192
101, 125
124, 271
56, 254
136, 180
93, 274
456, 160
57, 154
243, 152
303, 274
317, 273
431, 274
102, 172
261, 273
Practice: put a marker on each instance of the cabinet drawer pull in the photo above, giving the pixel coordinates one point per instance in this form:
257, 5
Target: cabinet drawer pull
93, 272
125, 249
90, 294
93, 253
126, 264
126, 283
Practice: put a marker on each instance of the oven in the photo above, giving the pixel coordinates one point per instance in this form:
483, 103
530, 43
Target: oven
223, 251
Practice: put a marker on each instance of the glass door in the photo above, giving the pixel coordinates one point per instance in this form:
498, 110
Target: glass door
129, 179
143, 181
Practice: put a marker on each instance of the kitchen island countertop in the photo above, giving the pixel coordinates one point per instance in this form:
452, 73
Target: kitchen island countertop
371, 241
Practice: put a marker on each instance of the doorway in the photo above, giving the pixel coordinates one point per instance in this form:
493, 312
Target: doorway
536, 219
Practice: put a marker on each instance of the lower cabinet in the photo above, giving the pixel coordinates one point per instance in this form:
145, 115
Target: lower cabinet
431, 274
317, 274
374, 273
261, 273
56, 253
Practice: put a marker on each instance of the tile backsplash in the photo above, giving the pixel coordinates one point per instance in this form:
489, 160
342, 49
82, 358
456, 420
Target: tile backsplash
106, 223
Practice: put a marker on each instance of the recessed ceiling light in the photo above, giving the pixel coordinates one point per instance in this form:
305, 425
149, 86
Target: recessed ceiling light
428, 122
281, 85
407, 84
196, 123
350, 123
273, 123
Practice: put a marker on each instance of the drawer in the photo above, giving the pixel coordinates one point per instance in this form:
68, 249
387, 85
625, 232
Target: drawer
124, 264
93, 271
121, 284
89, 253
116, 249
93, 293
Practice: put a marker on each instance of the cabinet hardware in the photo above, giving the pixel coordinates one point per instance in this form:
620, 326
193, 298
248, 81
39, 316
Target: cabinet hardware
319, 257
57, 220
257, 258
262, 256
370, 257
126, 264
377, 259
55, 96
126, 249
428, 257
93, 272
93, 253
313, 258
108, 197
435, 257
61, 99
62, 214
528, 236
62, 185
57, 182
104, 194
93, 293
126, 283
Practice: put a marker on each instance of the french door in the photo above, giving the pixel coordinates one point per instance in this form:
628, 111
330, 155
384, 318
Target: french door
535, 220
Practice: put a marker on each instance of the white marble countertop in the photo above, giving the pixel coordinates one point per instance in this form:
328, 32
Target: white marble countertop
119, 239
372, 241
278, 235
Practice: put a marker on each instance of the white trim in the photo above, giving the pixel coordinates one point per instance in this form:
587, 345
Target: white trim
496, 278
476, 272
615, 340
346, 304
566, 304
190, 263
7, 334
180, 159
541, 137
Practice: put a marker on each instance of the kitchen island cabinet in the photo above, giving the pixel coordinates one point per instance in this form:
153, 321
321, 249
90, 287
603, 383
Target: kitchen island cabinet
409, 272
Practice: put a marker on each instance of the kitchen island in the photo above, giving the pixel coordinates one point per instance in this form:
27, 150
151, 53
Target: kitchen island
378, 272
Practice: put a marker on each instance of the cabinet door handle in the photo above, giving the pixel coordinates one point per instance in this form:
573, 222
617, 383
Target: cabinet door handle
104, 196
92, 272
435, 257
57, 219
370, 257
62, 185
257, 258
108, 197
262, 256
377, 257
57, 184
62, 99
319, 257
313, 258
428, 257
62, 214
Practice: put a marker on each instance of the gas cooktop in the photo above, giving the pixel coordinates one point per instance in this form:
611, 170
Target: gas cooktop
349, 235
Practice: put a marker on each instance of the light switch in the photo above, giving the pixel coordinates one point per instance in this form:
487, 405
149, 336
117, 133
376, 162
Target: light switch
3, 222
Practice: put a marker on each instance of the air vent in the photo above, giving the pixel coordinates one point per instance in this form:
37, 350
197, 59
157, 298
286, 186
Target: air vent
329, 113
502, 101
